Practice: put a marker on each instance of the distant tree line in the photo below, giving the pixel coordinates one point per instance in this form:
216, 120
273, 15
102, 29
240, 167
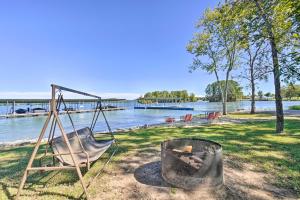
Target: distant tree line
289, 92
166, 96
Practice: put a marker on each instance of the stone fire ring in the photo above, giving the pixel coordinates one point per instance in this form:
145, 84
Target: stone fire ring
192, 163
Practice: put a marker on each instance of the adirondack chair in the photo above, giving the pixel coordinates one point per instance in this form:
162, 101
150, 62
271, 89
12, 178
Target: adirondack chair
187, 118
170, 120
213, 116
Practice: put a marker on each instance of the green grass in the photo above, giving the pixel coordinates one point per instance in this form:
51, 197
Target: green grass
295, 107
250, 116
250, 142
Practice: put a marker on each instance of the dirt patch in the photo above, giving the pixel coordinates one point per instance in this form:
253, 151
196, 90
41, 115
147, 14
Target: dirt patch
139, 177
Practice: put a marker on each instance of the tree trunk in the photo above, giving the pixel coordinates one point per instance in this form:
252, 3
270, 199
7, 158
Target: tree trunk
224, 108
252, 89
276, 72
278, 98
252, 97
223, 93
225, 99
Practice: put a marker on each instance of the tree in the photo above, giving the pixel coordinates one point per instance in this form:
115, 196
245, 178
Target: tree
256, 69
290, 91
276, 22
255, 56
268, 94
217, 43
234, 91
193, 97
278, 29
260, 94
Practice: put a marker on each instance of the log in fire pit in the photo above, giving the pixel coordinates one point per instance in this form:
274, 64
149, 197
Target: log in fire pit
192, 163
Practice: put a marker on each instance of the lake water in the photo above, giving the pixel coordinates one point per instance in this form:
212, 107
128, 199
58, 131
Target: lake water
20, 129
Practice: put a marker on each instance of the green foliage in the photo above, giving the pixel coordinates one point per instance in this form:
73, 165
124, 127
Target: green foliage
295, 107
247, 24
274, 21
290, 91
260, 95
217, 41
216, 45
165, 97
193, 97
234, 91
269, 94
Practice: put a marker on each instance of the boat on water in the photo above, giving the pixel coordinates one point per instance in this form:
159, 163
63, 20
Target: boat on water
164, 107
21, 111
108, 107
39, 110
69, 109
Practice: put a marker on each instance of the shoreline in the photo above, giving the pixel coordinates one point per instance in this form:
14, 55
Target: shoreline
196, 122
24, 142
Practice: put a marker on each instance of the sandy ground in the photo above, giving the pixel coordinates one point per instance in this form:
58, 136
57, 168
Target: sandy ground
139, 177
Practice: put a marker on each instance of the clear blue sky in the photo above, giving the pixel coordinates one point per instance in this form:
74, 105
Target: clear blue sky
126, 47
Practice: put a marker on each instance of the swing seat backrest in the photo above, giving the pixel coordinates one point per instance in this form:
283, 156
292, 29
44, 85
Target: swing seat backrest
93, 148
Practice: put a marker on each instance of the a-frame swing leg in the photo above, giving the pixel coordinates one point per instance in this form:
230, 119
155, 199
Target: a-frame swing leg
71, 153
24, 178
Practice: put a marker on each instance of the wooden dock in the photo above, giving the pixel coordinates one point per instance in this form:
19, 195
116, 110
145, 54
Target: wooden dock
61, 112
163, 108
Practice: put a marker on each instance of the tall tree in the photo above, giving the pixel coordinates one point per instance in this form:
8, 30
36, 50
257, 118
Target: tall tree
217, 43
256, 66
276, 22
279, 31
255, 55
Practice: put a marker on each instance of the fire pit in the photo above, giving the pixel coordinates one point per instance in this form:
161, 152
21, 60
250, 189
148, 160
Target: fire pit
192, 163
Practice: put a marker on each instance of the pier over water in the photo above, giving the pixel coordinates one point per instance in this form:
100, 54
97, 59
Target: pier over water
162, 104
11, 108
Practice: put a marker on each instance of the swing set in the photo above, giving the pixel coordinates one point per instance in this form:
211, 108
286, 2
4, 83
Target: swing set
72, 150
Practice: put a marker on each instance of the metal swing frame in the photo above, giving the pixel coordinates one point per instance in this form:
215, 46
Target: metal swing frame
54, 115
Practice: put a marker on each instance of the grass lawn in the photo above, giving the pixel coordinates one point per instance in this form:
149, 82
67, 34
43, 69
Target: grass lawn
257, 116
249, 142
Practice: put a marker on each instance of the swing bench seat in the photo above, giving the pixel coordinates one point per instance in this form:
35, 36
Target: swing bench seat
91, 151
73, 150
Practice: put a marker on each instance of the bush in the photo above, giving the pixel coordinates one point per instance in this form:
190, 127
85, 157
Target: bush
295, 107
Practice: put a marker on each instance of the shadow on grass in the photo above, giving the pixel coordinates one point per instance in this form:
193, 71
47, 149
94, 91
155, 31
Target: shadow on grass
13, 166
253, 142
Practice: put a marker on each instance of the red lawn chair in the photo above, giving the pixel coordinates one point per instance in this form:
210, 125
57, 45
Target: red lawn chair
170, 120
218, 115
211, 116
188, 118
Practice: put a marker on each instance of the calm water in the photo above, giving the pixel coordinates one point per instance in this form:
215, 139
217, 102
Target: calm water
19, 129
